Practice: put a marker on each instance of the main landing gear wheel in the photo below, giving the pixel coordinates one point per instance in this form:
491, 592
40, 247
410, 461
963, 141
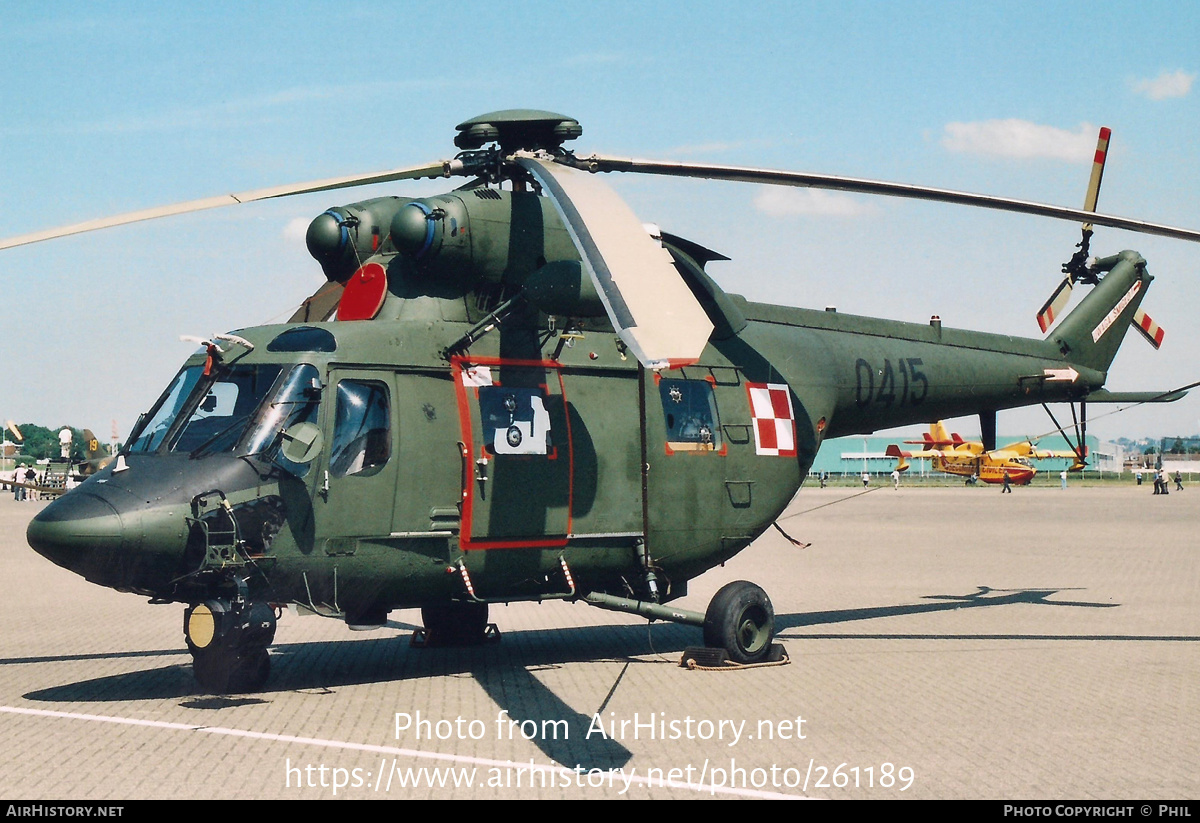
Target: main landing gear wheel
456, 624
741, 620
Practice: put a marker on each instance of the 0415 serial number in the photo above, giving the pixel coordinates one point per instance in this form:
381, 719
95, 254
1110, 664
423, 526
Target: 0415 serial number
887, 776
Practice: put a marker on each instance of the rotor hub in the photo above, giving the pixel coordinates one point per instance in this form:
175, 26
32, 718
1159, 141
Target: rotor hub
517, 130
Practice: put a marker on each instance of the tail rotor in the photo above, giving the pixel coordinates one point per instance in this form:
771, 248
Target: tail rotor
1077, 269
1081, 269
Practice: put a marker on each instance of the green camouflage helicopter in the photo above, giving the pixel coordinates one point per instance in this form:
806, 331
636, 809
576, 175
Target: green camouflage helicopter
527, 395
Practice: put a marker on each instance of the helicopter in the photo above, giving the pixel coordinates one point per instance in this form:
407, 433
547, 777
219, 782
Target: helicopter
527, 394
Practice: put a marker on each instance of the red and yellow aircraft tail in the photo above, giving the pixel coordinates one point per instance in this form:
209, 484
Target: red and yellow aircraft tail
902, 464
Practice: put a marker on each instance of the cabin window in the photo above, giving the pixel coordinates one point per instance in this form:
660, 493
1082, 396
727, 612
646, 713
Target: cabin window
362, 429
690, 412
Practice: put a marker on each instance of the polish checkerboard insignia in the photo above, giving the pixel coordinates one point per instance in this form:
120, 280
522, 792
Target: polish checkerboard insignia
774, 420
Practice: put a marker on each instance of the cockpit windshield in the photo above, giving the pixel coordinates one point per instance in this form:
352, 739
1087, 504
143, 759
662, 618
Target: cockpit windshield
210, 414
154, 427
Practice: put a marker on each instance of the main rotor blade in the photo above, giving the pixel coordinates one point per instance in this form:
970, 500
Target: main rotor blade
320, 305
775, 177
441, 168
650, 306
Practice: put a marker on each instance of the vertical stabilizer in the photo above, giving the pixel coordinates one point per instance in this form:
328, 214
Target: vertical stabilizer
1092, 333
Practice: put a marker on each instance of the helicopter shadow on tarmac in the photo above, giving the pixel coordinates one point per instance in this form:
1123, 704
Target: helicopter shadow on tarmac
983, 596
329, 664
302, 666
507, 672
503, 670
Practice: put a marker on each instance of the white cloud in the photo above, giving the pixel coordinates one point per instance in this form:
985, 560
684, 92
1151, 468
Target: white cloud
1168, 84
775, 201
1021, 139
296, 229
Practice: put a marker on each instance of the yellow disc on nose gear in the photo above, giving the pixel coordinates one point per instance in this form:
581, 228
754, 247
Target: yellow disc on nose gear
201, 626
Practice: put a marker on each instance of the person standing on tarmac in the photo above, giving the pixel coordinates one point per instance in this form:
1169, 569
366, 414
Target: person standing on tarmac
1007, 484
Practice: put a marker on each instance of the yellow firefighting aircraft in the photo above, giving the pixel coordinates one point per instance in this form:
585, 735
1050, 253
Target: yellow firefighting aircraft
951, 454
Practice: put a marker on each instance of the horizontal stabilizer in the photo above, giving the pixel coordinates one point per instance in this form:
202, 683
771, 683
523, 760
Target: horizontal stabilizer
1106, 396
894, 451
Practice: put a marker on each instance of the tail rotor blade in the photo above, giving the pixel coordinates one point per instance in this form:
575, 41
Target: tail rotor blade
1075, 269
1055, 306
1093, 192
1150, 330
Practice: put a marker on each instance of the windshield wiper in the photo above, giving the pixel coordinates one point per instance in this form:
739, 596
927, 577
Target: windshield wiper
196, 452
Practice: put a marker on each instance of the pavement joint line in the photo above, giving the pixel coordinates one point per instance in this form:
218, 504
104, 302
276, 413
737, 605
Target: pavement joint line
393, 750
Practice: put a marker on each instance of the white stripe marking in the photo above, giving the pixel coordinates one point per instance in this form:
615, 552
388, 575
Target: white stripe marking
1104, 324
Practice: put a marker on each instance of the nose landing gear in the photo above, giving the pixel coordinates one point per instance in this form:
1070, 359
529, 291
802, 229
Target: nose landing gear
228, 641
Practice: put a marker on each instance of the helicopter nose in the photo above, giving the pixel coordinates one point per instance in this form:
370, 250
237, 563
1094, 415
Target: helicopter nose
79, 531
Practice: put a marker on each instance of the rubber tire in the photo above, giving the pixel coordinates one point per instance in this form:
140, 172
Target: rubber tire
455, 624
251, 671
213, 667
220, 670
741, 620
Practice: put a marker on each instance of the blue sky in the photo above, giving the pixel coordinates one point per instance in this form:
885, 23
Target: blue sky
113, 107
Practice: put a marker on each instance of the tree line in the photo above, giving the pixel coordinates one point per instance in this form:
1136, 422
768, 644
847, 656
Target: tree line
41, 442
